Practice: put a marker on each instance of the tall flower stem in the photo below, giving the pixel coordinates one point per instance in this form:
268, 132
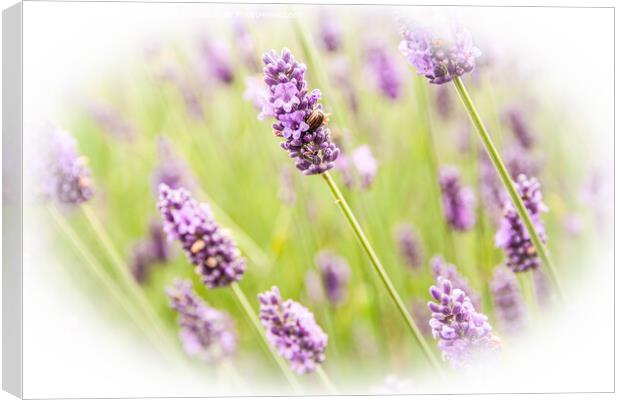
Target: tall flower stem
99, 272
541, 249
325, 379
122, 269
251, 315
376, 263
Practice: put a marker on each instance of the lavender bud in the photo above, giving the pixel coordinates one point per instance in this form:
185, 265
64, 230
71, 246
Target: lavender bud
512, 235
299, 116
149, 251
66, 176
507, 300
462, 333
206, 333
409, 245
335, 274
209, 247
330, 32
458, 202
110, 120
292, 331
442, 269
439, 59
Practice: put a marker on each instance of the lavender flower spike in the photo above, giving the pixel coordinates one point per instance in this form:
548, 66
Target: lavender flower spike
442, 269
300, 120
292, 330
330, 32
458, 202
335, 274
439, 59
148, 251
171, 169
512, 235
385, 70
462, 333
508, 301
209, 247
519, 127
206, 333
365, 165
216, 59
66, 176
409, 245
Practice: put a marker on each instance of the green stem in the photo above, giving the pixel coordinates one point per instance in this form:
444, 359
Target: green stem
251, 315
541, 249
325, 379
99, 272
376, 263
123, 271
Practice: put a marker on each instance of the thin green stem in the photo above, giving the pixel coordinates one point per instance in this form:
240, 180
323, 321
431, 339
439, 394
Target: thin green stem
99, 272
251, 315
325, 379
541, 249
376, 263
122, 269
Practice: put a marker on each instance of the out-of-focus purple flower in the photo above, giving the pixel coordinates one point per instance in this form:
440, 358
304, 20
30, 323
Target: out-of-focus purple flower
300, 120
330, 32
110, 120
458, 202
512, 235
287, 193
255, 92
245, 45
520, 161
409, 245
65, 174
358, 168
542, 287
149, 251
365, 165
492, 192
341, 74
335, 274
519, 127
206, 333
171, 168
216, 58
573, 224
439, 59
443, 100
507, 300
292, 330
442, 269
385, 71
462, 333
209, 247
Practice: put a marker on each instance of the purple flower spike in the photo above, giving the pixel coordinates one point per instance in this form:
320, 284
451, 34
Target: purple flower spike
292, 330
149, 251
442, 269
216, 59
335, 274
365, 165
66, 176
462, 333
439, 59
206, 333
209, 247
517, 123
409, 245
508, 301
330, 32
458, 202
171, 169
385, 70
300, 120
512, 235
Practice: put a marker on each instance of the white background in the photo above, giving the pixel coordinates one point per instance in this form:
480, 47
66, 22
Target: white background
573, 45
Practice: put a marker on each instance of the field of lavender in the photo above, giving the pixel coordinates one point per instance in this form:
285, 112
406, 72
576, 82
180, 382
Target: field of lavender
296, 204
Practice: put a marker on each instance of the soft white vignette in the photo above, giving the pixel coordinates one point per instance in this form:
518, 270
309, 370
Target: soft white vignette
63, 48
